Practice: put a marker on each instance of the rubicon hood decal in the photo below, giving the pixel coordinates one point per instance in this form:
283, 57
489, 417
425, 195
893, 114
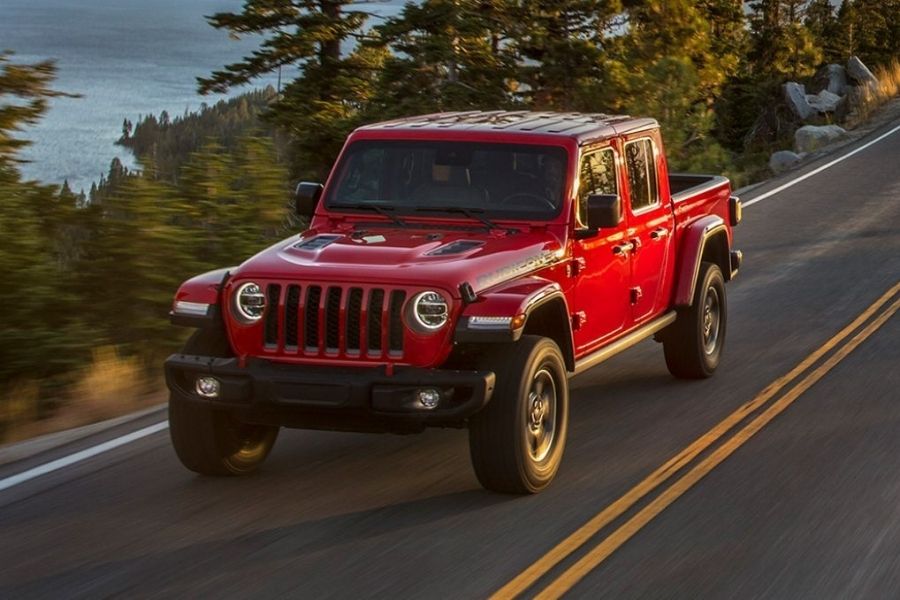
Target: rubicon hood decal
511, 271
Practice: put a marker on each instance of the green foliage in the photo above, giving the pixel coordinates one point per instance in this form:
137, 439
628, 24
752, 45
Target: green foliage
324, 101
445, 55
42, 333
24, 94
168, 143
561, 52
781, 47
669, 66
869, 29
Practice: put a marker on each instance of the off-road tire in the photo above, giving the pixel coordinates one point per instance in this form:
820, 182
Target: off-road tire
211, 441
693, 344
503, 437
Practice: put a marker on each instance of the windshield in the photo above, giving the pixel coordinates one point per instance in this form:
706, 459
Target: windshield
501, 181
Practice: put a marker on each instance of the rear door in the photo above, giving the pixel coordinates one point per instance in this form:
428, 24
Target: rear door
650, 227
600, 302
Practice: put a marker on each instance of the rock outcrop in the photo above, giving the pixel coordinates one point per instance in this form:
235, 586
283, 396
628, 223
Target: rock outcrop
860, 73
783, 160
832, 78
810, 138
795, 95
824, 101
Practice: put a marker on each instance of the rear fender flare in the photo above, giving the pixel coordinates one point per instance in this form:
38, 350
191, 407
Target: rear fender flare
698, 238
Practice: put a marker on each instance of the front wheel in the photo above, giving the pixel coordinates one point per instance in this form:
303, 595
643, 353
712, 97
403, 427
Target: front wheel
693, 343
516, 442
214, 442
211, 441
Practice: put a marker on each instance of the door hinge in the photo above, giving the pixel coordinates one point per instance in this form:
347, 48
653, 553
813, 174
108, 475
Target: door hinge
578, 320
576, 266
636, 295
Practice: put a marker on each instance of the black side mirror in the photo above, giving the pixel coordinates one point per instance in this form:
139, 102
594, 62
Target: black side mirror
604, 210
306, 197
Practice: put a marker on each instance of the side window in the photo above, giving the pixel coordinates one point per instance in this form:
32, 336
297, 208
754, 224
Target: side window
596, 176
641, 167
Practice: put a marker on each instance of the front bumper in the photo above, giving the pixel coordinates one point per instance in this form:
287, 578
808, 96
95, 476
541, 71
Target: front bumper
333, 398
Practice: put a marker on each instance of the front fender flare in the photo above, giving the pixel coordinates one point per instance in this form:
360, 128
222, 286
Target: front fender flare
195, 293
520, 298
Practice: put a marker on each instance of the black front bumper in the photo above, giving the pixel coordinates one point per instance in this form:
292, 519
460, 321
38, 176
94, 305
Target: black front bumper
334, 398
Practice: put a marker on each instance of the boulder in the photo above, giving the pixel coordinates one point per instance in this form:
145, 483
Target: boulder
783, 160
860, 72
837, 79
824, 101
795, 95
810, 138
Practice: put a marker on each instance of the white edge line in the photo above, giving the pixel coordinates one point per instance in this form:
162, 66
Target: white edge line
87, 453
77, 457
818, 170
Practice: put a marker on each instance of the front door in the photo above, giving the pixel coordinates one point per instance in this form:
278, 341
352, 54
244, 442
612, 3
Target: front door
601, 307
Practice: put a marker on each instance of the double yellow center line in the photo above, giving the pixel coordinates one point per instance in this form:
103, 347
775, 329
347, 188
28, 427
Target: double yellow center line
838, 346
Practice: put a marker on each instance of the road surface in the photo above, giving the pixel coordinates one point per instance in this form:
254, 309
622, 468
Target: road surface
668, 489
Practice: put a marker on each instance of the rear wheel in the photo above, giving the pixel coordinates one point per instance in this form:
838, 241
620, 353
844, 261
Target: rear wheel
517, 441
693, 343
212, 441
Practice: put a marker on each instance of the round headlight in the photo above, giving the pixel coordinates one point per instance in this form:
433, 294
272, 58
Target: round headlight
428, 311
249, 302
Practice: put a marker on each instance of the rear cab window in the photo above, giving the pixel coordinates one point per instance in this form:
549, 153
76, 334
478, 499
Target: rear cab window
640, 166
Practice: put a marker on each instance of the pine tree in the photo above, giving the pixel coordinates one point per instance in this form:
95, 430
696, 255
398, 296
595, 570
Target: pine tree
137, 255
666, 67
446, 55
39, 322
562, 48
25, 92
322, 104
870, 29
782, 48
822, 23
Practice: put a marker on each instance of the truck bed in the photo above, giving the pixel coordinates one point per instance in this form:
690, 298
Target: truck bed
685, 185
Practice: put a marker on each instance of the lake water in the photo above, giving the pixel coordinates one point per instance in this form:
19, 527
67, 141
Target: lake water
126, 58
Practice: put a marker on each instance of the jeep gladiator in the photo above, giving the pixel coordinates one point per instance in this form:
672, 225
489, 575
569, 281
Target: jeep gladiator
457, 270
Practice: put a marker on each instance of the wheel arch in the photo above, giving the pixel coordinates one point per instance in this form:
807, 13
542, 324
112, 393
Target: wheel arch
707, 240
539, 303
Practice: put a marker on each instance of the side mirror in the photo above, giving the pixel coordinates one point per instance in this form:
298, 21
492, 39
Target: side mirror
604, 210
306, 197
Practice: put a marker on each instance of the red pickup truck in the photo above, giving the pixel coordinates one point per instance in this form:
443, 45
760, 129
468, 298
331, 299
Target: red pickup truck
458, 269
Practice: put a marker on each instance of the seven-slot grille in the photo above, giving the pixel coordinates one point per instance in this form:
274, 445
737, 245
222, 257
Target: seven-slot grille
334, 320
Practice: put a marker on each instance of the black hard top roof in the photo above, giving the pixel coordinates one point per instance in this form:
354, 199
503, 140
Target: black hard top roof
581, 126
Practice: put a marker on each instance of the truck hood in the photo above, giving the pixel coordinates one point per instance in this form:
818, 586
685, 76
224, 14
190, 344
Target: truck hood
405, 256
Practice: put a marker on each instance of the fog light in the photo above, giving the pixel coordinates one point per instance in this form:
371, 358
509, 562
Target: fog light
428, 398
208, 387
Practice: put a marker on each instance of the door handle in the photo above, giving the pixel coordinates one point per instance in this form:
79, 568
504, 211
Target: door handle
658, 234
623, 249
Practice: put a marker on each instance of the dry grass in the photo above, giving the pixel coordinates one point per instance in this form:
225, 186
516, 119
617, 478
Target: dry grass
873, 97
109, 387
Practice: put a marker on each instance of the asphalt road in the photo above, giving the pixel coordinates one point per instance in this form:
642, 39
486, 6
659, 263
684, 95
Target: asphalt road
807, 507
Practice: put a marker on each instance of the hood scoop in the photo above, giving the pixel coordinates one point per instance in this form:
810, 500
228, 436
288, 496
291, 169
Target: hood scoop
457, 247
317, 242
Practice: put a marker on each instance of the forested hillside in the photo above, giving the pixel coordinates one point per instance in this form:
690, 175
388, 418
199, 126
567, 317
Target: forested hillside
98, 270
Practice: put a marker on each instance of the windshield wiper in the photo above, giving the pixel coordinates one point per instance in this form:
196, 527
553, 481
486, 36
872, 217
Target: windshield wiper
472, 213
381, 209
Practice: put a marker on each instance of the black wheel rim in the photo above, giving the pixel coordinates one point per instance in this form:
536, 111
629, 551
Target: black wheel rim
711, 320
541, 415
246, 441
